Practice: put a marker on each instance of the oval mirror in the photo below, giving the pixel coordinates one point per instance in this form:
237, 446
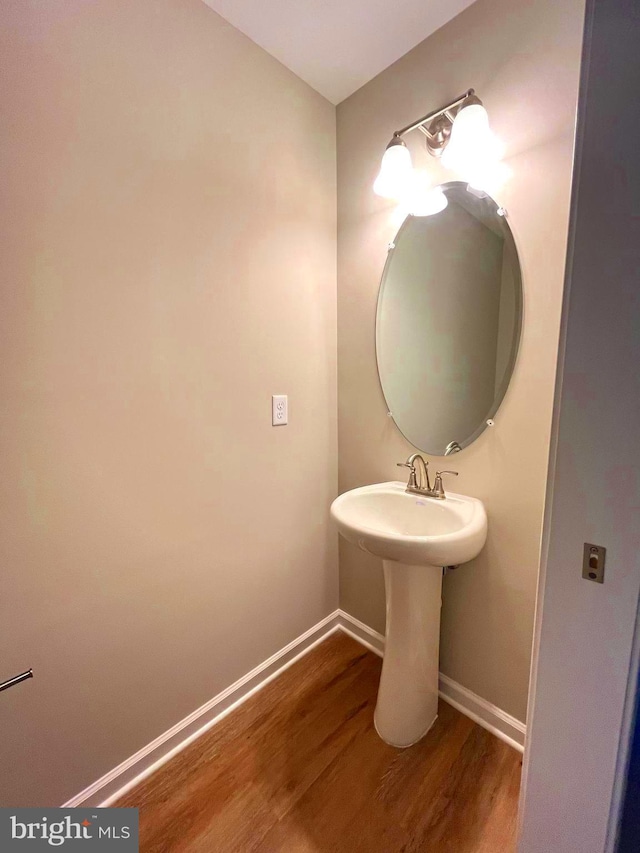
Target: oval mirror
448, 321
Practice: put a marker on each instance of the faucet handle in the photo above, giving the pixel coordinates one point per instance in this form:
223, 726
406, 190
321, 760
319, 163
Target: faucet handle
438, 487
413, 483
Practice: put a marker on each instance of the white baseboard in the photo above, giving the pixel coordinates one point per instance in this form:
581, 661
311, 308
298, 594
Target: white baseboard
150, 758
489, 716
365, 635
494, 719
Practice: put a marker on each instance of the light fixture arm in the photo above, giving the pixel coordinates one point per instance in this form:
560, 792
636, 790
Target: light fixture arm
435, 114
436, 125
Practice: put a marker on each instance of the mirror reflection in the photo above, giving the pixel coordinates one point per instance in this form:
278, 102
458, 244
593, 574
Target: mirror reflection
448, 321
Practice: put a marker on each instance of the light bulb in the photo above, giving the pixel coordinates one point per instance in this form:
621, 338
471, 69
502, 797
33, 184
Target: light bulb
427, 203
488, 177
420, 198
395, 171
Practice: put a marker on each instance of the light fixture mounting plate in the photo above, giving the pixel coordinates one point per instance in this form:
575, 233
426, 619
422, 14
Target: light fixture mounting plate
437, 134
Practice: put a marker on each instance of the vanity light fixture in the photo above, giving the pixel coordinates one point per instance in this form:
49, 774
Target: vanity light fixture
395, 170
421, 198
428, 203
459, 133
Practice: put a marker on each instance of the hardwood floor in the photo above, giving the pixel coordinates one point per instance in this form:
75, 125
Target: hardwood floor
299, 768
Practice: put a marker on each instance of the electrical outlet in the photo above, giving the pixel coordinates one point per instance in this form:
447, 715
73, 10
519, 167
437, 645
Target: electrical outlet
279, 410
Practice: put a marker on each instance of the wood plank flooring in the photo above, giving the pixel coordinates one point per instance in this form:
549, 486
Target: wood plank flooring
299, 768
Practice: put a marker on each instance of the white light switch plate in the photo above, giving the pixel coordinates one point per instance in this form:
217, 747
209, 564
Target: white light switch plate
279, 410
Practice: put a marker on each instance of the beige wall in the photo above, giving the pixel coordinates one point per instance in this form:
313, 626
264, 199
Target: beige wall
523, 60
168, 263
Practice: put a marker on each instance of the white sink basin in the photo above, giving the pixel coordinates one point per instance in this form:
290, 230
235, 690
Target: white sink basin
394, 524
415, 536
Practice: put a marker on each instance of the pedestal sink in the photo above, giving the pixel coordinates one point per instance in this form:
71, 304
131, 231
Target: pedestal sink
415, 536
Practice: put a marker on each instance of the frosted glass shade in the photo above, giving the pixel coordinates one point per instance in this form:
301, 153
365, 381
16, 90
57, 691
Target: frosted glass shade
473, 150
395, 171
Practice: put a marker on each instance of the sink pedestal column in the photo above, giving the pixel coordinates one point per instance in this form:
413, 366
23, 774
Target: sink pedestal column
407, 704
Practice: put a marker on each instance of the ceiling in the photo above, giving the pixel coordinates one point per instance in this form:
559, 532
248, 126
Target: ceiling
336, 46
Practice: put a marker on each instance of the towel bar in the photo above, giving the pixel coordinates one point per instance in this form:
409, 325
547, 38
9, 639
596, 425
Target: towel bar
5, 685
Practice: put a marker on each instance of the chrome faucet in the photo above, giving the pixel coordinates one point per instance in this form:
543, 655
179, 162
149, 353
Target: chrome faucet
424, 488
412, 485
452, 447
